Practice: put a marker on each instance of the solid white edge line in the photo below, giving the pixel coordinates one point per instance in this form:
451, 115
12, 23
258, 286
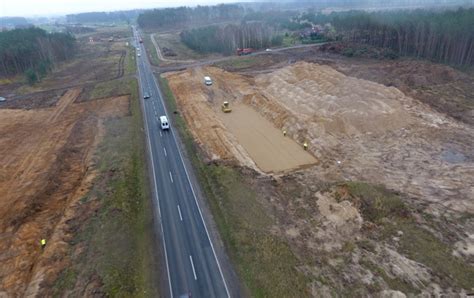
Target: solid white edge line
171, 177
192, 265
192, 189
164, 149
156, 188
180, 215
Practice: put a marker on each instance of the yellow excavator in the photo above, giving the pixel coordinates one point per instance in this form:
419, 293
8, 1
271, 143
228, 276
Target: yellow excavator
225, 107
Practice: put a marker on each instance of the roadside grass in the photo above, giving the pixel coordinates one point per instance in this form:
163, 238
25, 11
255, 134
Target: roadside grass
239, 62
289, 41
418, 243
264, 262
150, 50
130, 61
111, 88
118, 240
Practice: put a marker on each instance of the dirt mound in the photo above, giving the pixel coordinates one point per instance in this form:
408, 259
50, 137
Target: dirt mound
357, 129
336, 103
45, 156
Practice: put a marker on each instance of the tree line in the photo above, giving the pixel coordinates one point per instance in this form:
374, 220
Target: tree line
33, 51
11, 22
226, 39
103, 17
445, 36
169, 17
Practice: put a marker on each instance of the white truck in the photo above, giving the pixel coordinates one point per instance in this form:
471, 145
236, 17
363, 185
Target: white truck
164, 123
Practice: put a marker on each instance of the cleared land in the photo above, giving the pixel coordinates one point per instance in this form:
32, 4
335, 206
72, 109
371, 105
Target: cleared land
407, 227
45, 156
73, 172
358, 129
266, 145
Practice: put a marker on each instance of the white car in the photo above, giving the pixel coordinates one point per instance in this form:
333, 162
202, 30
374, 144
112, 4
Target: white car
207, 81
165, 125
268, 50
2, 99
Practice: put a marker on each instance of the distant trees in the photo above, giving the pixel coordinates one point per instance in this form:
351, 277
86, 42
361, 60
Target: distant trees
33, 51
228, 38
170, 17
103, 17
12, 22
445, 36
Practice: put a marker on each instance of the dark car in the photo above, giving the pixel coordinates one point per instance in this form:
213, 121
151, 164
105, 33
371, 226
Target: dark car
146, 95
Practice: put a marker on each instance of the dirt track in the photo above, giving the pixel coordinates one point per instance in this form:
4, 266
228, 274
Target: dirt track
45, 156
357, 129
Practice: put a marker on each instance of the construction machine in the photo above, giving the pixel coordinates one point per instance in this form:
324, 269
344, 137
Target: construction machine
225, 107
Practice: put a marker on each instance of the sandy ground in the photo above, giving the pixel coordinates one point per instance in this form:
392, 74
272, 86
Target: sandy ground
265, 144
357, 129
45, 155
243, 134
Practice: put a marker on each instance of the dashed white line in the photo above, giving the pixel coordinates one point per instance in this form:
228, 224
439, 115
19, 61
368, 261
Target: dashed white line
192, 265
180, 216
164, 149
160, 134
171, 177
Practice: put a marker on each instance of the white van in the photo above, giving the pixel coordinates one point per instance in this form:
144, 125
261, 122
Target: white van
207, 81
164, 123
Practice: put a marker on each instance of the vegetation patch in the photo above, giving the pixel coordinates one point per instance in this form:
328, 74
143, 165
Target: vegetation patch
392, 216
111, 88
151, 51
118, 240
264, 262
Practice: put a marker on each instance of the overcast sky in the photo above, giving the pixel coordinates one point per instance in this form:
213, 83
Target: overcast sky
52, 7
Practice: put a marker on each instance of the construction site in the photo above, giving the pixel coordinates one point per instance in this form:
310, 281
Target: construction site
325, 139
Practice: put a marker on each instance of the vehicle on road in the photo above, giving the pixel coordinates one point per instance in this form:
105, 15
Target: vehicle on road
268, 50
146, 96
2, 99
139, 55
164, 123
207, 81
244, 51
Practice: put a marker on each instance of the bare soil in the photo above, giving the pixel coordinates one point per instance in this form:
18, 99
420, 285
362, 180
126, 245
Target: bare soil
45, 156
265, 144
357, 129
380, 122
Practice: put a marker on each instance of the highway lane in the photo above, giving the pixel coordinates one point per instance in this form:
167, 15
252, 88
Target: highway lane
191, 263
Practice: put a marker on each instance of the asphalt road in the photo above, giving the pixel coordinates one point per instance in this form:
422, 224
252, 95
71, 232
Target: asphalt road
191, 262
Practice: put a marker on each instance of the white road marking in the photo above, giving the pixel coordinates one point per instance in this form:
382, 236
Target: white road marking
180, 216
171, 177
160, 134
164, 149
192, 265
